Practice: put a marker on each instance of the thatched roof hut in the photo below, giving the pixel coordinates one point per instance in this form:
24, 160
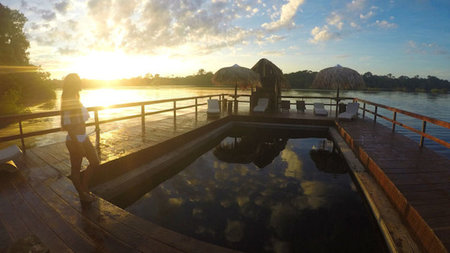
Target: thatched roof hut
272, 80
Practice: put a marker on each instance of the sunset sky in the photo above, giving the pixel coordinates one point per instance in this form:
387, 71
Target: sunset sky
108, 39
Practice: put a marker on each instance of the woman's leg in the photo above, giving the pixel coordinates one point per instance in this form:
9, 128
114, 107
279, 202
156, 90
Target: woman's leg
75, 165
92, 157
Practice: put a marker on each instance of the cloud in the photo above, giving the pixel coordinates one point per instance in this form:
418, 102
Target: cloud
384, 24
275, 38
336, 20
273, 53
67, 51
425, 48
321, 34
356, 5
288, 12
367, 16
48, 15
62, 6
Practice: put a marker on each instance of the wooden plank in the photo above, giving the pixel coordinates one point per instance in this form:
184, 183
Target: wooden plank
65, 231
445, 187
10, 219
5, 238
438, 222
420, 178
434, 210
103, 240
32, 221
109, 223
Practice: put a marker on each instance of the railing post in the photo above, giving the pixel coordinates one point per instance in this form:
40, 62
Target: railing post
143, 119
97, 129
331, 107
175, 113
364, 111
424, 125
22, 140
196, 109
393, 123
375, 115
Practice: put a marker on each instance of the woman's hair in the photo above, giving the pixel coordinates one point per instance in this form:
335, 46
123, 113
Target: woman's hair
71, 86
70, 102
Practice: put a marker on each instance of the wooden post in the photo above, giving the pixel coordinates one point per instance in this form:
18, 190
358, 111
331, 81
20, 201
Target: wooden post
364, 110
393, 123
21, 136
424, 125
97, 129
175, 114
375, 115
196, 109
143, 119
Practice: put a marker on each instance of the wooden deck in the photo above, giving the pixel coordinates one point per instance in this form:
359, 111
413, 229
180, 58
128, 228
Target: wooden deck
417, 180
40, 200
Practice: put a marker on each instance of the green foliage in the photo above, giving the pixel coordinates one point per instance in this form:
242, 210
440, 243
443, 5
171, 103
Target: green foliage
301, 79
13, 43
11, 102
404, 83
21, 83
304, 79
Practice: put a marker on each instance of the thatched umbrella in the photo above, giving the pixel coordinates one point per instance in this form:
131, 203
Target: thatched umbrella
237, 76
328, 162
272, 78
338, 77
242, 151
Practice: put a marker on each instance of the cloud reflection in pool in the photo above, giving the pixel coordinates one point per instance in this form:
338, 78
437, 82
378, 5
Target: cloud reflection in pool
289, 205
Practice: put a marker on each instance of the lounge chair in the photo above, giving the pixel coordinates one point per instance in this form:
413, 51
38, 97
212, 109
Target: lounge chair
351, 111
262, 105
320, 110
213, 107
285, 105
300, 104
6, 158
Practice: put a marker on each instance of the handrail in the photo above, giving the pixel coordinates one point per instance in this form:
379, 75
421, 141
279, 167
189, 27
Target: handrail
411, 114
395, 122
19, 118
97, 122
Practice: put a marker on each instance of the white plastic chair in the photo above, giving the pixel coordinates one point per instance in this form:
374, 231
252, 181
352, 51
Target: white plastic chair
319, 109
213, 107
262, 105
351, 112
6, 158
9, 153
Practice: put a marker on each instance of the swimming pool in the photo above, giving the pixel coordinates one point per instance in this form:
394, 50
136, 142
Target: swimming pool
256, 192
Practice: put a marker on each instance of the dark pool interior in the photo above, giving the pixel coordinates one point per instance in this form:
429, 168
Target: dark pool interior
256, 192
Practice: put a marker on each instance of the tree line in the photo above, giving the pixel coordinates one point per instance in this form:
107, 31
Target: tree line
297, 80
21, 83
304, 79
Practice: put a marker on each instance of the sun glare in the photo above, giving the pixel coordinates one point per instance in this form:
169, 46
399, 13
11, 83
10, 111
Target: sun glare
109, 66
117, 65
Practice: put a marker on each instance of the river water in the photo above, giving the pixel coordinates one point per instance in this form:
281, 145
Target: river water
432, 105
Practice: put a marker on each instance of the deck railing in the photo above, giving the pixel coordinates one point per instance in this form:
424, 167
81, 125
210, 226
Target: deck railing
97, 122
395, 122
143, 113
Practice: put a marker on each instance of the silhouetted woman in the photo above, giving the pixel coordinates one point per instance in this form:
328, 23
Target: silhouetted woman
73, 118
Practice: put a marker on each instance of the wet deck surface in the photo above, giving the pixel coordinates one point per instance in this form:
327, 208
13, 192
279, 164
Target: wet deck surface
40, 200
422, 176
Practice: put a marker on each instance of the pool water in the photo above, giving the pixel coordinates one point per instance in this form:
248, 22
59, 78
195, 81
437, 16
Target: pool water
271, 194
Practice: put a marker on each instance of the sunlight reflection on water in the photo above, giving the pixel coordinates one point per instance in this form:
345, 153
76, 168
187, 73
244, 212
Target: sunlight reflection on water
432, 105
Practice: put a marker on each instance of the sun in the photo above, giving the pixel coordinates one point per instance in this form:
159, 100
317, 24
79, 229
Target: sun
110, 65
